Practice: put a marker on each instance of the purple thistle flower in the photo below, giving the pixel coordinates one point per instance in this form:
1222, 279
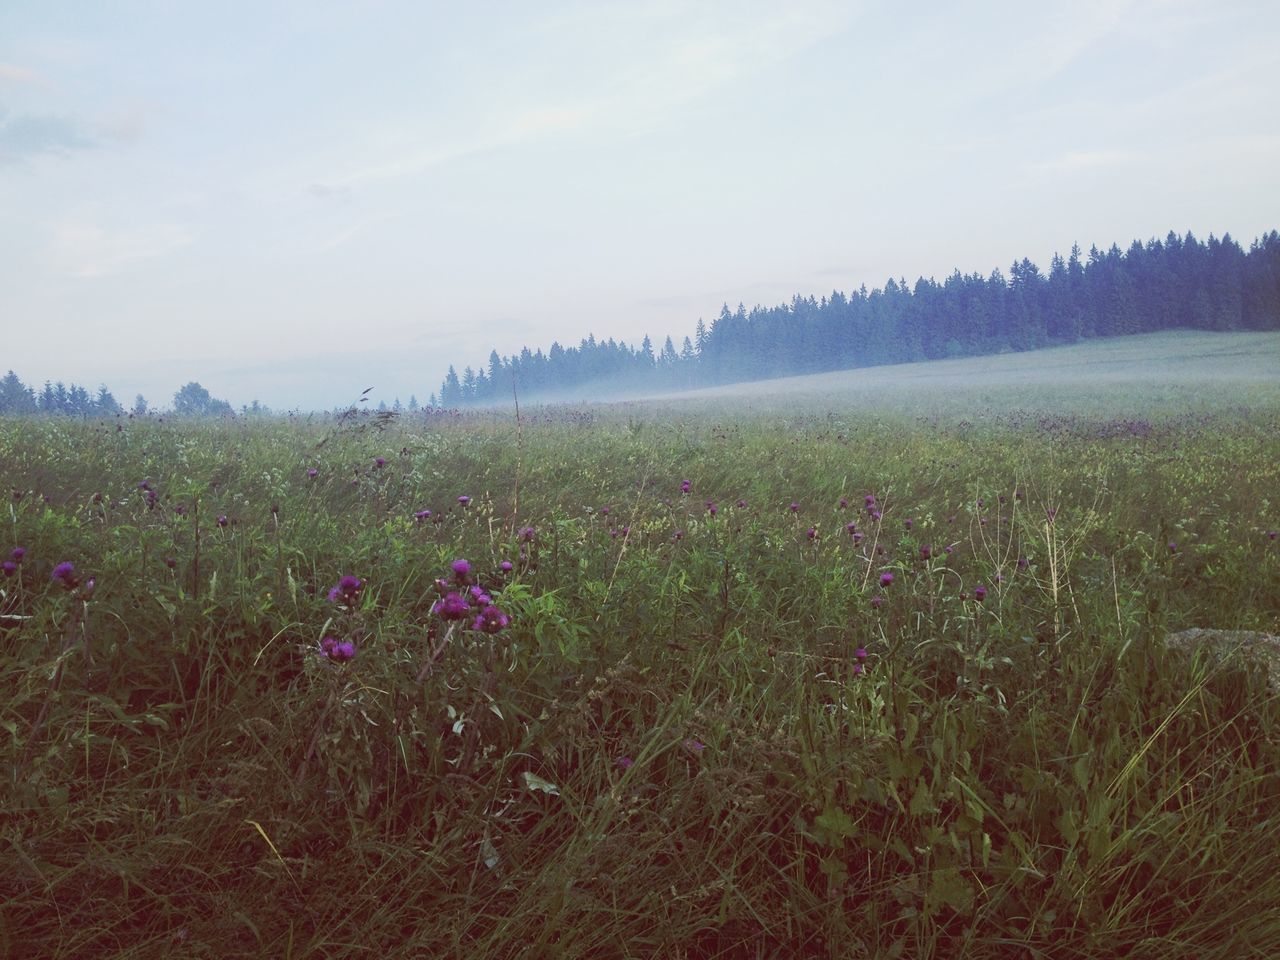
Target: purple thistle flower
1173, 547
461, 570
886, 578
327, 645
626, 532
858, 669
479, 598
347, 590
685, 486
711, 508
464, 500
18, 553
947, 549
857, 536
876, 515
926, 552
860, 653
812, 533
491, 620
679, 535
222, 520
869, 500
1023, 563
313, 473
1051, 513
908, 523
379, 462
422, 515
795, 507
342, 652
528, 534
624, 763
604, 511
9, 568
694, 746
877, 602
981, 503
1271, 534
65, 573
979, 593
452, 607
843, 503
742, 505
851, 528
506, 566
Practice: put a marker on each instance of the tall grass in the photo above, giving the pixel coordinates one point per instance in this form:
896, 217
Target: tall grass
676, 748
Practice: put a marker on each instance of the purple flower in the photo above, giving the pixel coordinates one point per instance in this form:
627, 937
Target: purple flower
857, 536
908, 523
347, 590
19, 552
528, 534
604, 511
422, 515
65, 573
795, 507
1023, 563
926, 552
876, 515
478, 597
170, 562
1271, 534
452, 607
858, 669
222, 520
947, 549
812, 533
1173, 547
979, 593
9, 568
464, 500
685, 486
742, 505
711, 508
339, 651
860, 653
886, 578
506, 566
851, 528
877, 601
491, 620
679, 535
624, 763
313, 473
869, 500
379, 462
327, 645
461, 570
694, 746
843, 503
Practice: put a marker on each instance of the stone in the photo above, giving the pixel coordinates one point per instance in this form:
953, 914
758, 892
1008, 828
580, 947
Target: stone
1222, 644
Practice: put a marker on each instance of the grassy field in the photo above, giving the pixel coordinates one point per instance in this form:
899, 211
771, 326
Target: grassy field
860, 671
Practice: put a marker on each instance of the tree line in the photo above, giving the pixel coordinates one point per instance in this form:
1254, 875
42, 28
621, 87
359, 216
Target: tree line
59, 399
1180, 282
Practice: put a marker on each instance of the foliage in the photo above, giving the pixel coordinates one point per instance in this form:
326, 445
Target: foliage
702, 733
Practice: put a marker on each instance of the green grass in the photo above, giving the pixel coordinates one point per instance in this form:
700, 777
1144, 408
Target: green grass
1032, 775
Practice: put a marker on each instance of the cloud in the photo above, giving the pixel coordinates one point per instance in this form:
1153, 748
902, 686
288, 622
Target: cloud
24, 137
12, 73
88, 251
1083, 161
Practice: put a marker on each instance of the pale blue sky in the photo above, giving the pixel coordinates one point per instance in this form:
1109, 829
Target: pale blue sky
294, 201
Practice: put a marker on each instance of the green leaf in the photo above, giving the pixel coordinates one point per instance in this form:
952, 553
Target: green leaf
835, 820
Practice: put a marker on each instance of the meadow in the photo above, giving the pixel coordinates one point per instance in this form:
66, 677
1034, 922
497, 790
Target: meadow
864, 674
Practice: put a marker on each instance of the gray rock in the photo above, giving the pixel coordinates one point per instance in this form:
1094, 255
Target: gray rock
1222, 644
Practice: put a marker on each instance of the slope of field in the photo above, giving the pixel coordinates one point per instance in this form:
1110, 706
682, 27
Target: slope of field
1187, 367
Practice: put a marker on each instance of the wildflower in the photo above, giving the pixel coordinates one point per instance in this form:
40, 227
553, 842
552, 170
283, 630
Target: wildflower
926, 552
979, 593
851, 528
506, 566
858, 669
742, 505
857, 536
604, 511
452, 607
695, 747
379, 462
422, 515
685, 486
860, 653
1050, 514
679, 535
1023, 563
528, 534
491, 620
812, 533
18, 553
795, 507
877, 602
461, 570
869, 500
222, 520
626, 532
947, 549
170, 562
464, 500
9, 568
876, 515
339, 651
981, 503
908, 523
1271, 534
347, 590
327, 645
711, 508
1173, 547
624, 763
843, 503
479, 598
312, 473
65, 573
886, 578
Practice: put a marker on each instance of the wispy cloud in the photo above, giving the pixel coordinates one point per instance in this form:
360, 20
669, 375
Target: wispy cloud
89, 250
12, 73
25, 137
1083, 161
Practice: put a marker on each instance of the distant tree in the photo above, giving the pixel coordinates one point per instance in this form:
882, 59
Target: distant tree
105, 404
194, 400
15, 397
413, 403
140, 406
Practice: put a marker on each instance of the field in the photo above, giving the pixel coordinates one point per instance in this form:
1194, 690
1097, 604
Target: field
861, 667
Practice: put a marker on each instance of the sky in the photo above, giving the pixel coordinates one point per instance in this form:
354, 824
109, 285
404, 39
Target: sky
292, 201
